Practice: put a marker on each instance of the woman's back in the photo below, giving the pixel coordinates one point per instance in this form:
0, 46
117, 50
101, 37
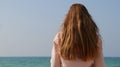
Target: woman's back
58, 61
78, 44
76, 63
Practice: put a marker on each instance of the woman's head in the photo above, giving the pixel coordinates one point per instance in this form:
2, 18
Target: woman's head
79, 35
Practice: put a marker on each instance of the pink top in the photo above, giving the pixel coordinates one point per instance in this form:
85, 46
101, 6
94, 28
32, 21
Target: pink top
57, 61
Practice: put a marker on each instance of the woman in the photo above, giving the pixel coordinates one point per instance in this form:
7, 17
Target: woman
78, 44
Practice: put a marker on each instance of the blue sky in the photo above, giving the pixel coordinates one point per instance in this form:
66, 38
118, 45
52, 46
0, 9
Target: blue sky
27, 27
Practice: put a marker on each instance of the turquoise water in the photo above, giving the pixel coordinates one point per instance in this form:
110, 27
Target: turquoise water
44, 61
24, 62
112, 61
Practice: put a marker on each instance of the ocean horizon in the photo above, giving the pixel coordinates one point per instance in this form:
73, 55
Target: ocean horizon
45, 61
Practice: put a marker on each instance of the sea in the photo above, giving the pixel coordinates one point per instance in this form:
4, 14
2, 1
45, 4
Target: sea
45, 61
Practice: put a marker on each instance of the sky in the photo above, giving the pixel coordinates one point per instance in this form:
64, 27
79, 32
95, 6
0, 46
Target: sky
27, 27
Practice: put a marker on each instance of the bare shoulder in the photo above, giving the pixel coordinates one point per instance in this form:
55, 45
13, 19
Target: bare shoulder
57, 37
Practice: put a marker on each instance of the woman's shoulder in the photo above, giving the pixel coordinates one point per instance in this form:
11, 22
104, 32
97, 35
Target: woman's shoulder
57, 37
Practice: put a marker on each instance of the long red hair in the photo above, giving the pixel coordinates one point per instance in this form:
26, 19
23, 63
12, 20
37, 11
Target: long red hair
79, 36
